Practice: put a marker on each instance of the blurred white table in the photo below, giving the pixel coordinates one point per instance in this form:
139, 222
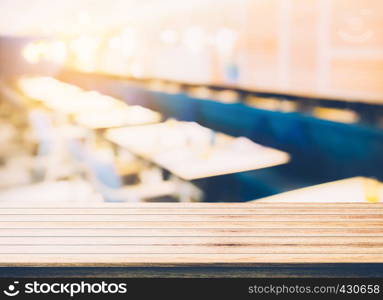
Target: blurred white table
90, 109
67, 98
355, 189
191, 151
126, 116
84, 102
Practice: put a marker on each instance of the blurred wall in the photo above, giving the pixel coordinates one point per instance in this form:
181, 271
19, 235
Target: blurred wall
13, 64
318, 47
322, 48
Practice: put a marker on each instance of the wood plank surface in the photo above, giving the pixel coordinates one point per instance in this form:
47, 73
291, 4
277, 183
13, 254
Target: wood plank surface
179, 234
186, 217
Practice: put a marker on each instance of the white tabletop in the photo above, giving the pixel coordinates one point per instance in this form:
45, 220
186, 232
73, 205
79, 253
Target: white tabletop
66, 98
354, 189
191, 151
126, 116
91, 109
84, 102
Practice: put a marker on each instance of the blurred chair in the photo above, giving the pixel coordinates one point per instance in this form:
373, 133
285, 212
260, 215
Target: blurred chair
234, 119
7, 134
102, 169
51, 162
14, 159
178, 106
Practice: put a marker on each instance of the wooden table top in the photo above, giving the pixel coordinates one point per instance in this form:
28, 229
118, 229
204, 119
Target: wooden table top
192, 151
179, 234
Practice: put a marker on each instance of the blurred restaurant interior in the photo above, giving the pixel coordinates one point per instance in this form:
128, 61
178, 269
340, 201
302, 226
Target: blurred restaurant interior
188, 101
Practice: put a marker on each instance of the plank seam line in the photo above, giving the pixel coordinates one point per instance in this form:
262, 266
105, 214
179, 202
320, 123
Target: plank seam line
187, 253
181, 221
206, 208
189, 236
194, 228
289, 244
175, 214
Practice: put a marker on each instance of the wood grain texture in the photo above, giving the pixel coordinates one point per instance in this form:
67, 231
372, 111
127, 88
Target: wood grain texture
184, 234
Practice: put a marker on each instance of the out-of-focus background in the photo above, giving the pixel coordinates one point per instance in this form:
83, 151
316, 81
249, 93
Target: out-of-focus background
213, 100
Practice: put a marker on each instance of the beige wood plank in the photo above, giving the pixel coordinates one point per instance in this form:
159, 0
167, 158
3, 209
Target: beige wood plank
189, 232
142, 260
126, 234
190, 224
196, 240
188, 217
201, 248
